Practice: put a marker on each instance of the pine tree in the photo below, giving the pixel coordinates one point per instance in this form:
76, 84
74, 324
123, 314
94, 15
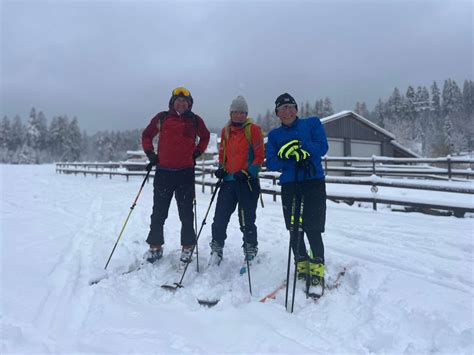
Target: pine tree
410, 117
33, 131
361, 109
327, 108
5, 133
426, 125
448, 134
18, 135
379, 113
394, 113
42, 126
452, 106
73, 141
319, 108
58, 132
5, 137
468, 106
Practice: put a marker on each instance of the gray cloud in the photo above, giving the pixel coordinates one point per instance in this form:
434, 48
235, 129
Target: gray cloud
113, 64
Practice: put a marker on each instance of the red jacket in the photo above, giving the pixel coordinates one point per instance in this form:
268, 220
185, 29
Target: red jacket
177, 139
238, 156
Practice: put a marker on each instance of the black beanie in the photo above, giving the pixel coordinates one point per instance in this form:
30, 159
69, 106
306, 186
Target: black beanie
284, 99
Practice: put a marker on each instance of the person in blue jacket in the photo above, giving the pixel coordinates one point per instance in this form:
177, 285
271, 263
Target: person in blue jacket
295, 149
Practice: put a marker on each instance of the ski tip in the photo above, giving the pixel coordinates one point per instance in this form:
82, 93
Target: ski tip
315, 296
95, 280
172, 287
208, 303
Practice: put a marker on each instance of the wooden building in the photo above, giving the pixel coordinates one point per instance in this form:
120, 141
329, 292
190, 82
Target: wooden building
352, 135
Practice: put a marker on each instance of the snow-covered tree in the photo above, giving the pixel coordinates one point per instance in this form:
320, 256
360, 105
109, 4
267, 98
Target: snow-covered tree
72, 144
5, 133
33, 131
58, 137
361, 109
327, 108
379, 113
18, 135
5, 140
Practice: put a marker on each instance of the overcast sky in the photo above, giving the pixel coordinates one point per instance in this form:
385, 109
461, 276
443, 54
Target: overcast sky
113, 64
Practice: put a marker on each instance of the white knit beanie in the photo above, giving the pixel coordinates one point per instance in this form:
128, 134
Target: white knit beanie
239, 104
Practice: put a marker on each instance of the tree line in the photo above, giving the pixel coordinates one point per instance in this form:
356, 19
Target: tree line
431, 122
36, 141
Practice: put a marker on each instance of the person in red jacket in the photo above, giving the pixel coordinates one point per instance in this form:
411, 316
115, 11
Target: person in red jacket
177, 130
241, 154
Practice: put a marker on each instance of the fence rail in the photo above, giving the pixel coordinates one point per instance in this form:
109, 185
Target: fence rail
415, 176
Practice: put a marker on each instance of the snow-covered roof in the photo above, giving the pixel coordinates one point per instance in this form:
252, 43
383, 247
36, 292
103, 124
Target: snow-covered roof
405, 149
358, 117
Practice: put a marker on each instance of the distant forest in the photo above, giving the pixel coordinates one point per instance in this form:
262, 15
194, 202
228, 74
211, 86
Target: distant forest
431, 122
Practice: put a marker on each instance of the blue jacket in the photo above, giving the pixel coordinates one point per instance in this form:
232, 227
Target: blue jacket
310, 133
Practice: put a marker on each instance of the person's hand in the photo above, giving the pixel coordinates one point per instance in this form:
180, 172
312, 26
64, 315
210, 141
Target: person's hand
220, 173
301, 155
197, 153
153, 158
286, 150
242, 175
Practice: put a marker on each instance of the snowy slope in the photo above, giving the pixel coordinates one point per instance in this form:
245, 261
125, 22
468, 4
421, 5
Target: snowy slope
408, 290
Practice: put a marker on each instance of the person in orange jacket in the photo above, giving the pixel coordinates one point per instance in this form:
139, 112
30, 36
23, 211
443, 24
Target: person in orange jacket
241, 155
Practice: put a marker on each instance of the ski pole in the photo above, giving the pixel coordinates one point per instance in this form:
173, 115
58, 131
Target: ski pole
292, 231
300, 236
195, 217
245, 246
261, 198
195, 229
292, 235
126, 220
178, 284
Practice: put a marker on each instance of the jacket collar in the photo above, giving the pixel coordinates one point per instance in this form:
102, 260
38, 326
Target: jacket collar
293, 124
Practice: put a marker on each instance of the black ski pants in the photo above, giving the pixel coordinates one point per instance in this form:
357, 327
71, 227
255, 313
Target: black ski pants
231, 194
314, 215
181, 184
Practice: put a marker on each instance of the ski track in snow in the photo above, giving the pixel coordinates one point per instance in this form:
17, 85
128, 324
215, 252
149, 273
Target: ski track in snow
408, 288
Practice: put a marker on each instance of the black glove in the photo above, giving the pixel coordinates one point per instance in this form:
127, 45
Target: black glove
220, 173
153, 158
242, 175
196, 154
301, 155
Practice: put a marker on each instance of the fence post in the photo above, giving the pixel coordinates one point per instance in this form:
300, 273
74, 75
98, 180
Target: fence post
202, 178
448, 158
373, 164
325, 165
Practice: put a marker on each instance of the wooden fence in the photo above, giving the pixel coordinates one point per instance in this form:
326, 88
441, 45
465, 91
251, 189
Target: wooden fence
448, 174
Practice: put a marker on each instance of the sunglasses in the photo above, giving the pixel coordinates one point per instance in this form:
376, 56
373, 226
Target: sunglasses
181, 91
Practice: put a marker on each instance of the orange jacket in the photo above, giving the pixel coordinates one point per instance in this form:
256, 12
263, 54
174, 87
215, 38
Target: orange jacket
238, 154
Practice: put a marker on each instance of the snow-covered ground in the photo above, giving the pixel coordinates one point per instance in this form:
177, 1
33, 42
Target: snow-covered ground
408, 288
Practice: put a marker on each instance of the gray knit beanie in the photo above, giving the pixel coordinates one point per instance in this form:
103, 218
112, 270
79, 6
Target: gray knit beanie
239, 104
